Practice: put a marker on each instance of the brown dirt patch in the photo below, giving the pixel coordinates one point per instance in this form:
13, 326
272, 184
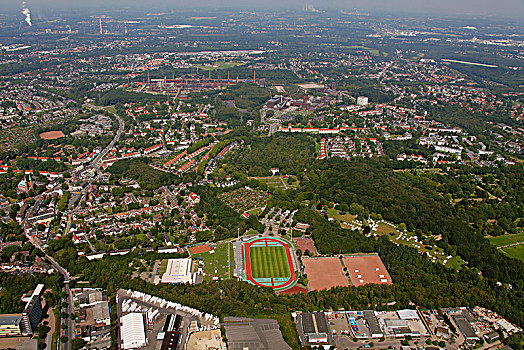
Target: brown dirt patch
305, 243
324, 273
294, 290
200, 249
366, 269
51, 135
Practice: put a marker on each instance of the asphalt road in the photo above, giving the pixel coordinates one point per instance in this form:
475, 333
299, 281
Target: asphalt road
70, 306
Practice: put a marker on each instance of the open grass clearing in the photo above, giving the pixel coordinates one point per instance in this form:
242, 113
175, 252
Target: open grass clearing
504, 240
278, 182
516, 251
216, 262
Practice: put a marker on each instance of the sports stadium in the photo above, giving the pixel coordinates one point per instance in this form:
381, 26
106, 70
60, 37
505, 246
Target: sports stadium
268, 262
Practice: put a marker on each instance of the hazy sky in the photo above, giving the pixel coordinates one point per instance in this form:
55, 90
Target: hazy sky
505, 8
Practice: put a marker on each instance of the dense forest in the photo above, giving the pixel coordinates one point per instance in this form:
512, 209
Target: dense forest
291, 154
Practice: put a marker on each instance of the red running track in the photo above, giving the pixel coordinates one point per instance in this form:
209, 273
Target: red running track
247, 263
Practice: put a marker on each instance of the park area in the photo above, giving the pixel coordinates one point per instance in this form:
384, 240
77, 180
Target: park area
279, 182
511, 245
434, 253
218, 262
268, 263
245, 199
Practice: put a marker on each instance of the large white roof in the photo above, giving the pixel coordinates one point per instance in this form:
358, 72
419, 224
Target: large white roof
178, 271
407, 314
132, 331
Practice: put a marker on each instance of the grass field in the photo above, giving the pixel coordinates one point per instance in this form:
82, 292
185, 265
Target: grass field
216, 262
267, 262
374, 52
277, 182
516, 251
163, 267
333, 213
384, 229
503, 240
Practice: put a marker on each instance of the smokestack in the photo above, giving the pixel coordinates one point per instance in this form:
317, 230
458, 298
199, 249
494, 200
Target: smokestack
101, 31
26, 13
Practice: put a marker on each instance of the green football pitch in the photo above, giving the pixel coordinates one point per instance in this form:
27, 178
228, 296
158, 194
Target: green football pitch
269, 262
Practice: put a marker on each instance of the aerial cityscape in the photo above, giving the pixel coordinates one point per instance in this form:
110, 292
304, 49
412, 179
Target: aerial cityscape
262, 176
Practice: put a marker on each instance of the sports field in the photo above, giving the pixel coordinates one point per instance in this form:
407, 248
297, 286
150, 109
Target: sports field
268, 262
271, 261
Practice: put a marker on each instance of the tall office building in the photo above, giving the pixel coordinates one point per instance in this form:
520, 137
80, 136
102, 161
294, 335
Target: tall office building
32, 314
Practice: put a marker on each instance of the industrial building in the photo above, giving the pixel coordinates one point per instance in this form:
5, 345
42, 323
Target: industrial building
401, 323
362, 101
372, 324
315, 328
132, 331
253, 334
465, 328
171, 333
93, 322
179, 271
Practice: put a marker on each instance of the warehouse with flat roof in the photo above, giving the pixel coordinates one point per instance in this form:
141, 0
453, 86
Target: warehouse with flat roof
253, 334
132, 331
179, 271
372, 324
314, 326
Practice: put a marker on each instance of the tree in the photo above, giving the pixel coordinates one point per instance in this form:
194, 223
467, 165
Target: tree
77, 343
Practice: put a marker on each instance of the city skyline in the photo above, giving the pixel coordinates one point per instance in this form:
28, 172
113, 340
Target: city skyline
502, 8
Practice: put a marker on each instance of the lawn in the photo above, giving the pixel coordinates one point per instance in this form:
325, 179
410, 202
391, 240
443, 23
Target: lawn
335, 214
267, 262
516, 251
216, 262
455, 262
503, 240
277, 182
383, 229
163, 267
